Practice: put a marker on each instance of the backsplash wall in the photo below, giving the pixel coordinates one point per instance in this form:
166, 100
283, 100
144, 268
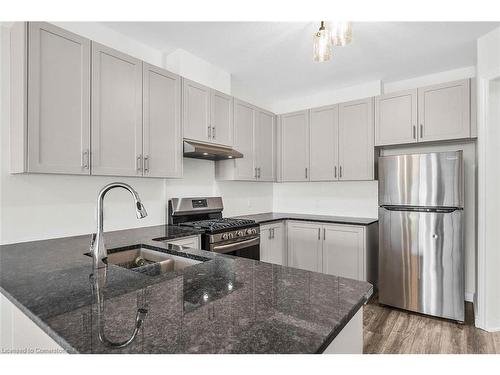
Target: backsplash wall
346, 198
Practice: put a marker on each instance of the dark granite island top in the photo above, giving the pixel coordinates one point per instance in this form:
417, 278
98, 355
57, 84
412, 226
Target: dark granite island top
268, 217
221, 305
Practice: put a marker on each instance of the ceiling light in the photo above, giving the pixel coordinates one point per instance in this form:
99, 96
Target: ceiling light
205, 154
322, 44
341, 33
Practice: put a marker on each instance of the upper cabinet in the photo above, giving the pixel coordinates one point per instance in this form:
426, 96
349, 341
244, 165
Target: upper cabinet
221, 118
294, 128
162, 132
254, 137
396, 118
356, 148
116, 113
50, 98
196, 111
433, 113
265, 141
328, 143
62, 85
207, 114
324, 136
444, 111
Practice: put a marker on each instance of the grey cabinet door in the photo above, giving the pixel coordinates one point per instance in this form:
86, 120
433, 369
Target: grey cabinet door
304, 246
295, 146
396, 118
58, 101
221, 118
244, 140
272, 243
356, 149
116, 113
196, 111
324, 143
444, 111
162, 133
343, 251
265, 145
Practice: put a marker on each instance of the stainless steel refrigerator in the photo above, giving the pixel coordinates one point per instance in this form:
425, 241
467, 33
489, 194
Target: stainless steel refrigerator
421, 241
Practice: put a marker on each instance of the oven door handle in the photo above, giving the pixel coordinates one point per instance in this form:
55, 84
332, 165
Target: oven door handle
236, 245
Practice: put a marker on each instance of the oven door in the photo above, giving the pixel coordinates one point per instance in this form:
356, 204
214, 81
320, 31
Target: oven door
248, 248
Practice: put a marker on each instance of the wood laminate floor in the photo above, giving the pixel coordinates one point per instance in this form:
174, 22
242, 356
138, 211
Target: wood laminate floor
392, 331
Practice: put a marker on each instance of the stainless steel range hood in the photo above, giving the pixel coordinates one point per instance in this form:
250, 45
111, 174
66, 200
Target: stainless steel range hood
197, 150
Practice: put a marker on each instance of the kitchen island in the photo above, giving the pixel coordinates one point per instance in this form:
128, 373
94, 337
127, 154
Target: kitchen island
221, 304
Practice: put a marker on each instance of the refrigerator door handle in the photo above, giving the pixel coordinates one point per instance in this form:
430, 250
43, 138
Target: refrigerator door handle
443, 210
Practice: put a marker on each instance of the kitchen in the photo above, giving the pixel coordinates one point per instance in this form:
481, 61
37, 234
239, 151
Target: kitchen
297, 180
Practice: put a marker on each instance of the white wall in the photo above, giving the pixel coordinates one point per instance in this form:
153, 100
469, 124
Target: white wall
192, 67
328, 198
327, 97
430, 79
488, 262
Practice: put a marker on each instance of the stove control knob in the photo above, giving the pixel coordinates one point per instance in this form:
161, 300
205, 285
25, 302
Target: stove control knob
239, 233
249, 231
254, 231
230, 235
225, 236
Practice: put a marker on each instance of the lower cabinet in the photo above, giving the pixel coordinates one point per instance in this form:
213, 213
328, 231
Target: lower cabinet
192, 242
304, 245
337, 249
343, 251
272, 243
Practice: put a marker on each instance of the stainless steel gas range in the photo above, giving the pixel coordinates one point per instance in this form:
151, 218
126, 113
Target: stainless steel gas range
239, 237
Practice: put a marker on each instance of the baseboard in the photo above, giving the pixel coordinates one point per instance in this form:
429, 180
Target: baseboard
477, 324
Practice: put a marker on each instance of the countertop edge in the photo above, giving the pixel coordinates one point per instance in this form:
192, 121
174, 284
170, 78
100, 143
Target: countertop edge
321, 219
40, 323
344, 322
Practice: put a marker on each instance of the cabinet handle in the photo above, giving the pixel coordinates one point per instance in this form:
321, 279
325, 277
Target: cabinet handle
139, 163
209, 132
273, 233
335, 171
414, 132
146, 164
85, 159
324, 233
258, 171
269, 237
340, 172
306, 173
255, 173
213, 132
421, 130
319, 233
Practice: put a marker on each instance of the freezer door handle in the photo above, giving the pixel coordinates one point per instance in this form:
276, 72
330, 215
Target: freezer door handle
442, 210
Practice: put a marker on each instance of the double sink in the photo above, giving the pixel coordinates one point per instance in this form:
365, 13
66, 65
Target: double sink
150, 261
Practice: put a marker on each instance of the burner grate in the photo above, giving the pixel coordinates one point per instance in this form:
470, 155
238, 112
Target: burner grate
217, 224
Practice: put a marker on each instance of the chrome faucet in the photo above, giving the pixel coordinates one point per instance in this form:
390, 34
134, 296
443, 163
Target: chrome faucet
98, 280
97, 247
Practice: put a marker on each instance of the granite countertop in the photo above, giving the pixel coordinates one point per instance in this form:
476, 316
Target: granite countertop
221, 305
277, 216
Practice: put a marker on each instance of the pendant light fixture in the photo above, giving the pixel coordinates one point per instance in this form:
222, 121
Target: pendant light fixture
341, 33
322, 44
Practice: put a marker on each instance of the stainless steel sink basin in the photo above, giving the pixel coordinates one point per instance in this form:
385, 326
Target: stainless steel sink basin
148, 261
141, 257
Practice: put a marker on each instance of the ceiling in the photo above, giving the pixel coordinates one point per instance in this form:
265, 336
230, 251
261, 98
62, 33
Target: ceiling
275, 58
